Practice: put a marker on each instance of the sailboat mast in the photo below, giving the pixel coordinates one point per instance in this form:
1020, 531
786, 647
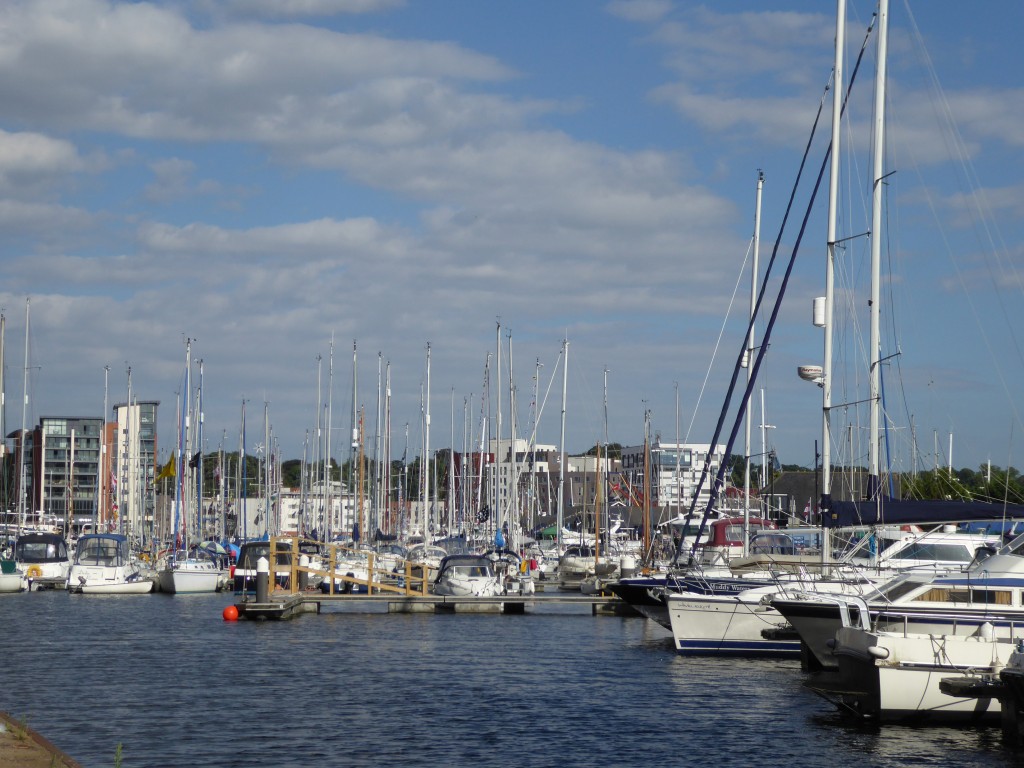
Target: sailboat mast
242, 492
878, 153
833, 195
328, 501
267, 456
449, 522
512, 496
425, 468
386, 453
104, 465
603, 468
838, 87
499, 512
378, 465
22, 489
751, 345
199, 450
561, 458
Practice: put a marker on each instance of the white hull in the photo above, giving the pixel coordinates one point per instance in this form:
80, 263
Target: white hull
11, 582
486, 586
107, 580
725, 625
894, 677
137, 587
182, 579
45, 575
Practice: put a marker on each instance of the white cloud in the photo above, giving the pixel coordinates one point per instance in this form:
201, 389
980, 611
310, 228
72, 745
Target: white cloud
640, 10
272, 9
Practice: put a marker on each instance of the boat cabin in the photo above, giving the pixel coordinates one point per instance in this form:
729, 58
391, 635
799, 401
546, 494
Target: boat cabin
41, 548
104, 549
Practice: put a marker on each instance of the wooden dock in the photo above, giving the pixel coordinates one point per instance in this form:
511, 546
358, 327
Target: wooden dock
385, 591
287, 606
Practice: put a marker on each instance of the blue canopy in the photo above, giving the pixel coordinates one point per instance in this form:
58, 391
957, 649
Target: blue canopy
901, 511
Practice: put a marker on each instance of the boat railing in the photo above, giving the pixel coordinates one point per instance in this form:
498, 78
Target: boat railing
900, 622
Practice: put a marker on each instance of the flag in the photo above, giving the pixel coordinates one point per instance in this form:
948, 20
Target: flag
113, 480
193, 463
168, 471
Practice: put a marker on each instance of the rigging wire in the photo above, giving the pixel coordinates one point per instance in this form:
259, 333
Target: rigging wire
775, 310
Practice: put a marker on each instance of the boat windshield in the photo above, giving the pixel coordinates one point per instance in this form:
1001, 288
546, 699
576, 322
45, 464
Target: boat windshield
100, 551
898, 587
1015, 547
470, 571
42, 550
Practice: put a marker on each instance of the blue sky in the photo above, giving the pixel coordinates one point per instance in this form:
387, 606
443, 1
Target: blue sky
258, 175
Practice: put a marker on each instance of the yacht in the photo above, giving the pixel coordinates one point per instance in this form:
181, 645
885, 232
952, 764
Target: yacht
467, 576
988, 589
193, 572
44, 559
105, 565
750, 622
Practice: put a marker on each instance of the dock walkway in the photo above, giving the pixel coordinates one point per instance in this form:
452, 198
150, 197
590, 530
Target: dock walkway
288, 606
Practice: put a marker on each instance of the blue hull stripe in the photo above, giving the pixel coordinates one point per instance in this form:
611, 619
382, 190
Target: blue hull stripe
737, 648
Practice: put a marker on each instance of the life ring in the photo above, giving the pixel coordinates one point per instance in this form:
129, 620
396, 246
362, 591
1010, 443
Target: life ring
34, 572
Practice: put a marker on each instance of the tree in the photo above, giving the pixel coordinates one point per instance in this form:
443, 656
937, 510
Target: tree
609, 451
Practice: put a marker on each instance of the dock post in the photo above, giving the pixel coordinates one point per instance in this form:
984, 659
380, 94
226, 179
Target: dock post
303, 577
262, 580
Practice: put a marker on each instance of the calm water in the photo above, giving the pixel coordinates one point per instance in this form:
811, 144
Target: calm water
173, 683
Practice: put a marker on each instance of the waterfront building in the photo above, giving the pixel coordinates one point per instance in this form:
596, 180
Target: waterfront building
674, 470
130, 493
61, 472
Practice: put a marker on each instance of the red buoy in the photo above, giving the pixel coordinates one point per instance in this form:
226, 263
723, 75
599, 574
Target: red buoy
231, 613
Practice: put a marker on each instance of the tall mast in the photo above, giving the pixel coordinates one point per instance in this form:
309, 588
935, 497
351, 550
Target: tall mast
875, 345
180, 515
513, 476
104, 465
561, 458
242, 492
199, 450
378, 465
386, 469
647, 484
751, 346
125, 463
314, 470
451, 472
679, 450
498, 461
267, 455
833, 197
328, 501
22, 489
425, 469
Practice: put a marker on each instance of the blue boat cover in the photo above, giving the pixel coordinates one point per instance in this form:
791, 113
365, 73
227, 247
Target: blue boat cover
901, 511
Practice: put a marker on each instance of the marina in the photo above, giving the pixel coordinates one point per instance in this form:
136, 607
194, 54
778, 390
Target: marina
179, 588
553, 688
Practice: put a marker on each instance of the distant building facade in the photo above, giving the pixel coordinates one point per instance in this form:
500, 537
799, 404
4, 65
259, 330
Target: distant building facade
674, 470
132, 455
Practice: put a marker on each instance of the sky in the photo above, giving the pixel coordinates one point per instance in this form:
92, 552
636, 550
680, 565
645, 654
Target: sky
487, 180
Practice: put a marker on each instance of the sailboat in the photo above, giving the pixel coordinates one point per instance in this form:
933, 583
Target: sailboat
746, 623
11, 577
189, 570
